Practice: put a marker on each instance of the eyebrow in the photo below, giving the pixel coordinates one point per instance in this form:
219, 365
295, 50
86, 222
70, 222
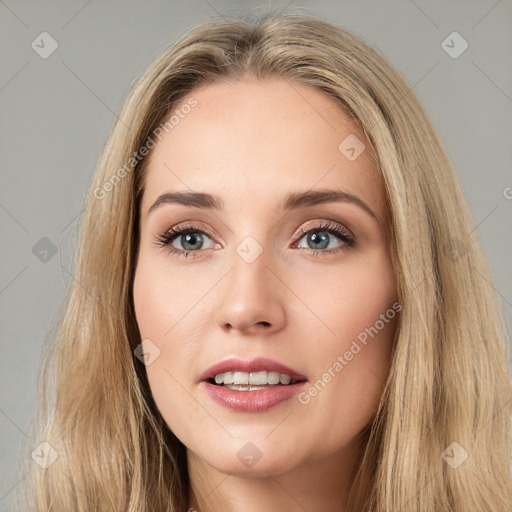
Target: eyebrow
292, 201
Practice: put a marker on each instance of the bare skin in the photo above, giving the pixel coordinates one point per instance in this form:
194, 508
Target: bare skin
252, 143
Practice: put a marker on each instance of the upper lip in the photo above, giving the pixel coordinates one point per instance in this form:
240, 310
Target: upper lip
258, 364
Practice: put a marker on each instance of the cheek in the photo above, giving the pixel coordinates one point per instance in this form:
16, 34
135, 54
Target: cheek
341, 301
161, 304
353, 354
163, 295
160, 310
147, 295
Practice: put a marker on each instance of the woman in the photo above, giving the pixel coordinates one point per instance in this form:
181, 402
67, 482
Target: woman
279, 302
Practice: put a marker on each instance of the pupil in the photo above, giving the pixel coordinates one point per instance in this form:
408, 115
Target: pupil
188, 236
315, 238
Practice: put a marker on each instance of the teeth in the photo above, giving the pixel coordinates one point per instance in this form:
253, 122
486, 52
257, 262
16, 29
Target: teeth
285, 379
241, 378
253, 378
246, 387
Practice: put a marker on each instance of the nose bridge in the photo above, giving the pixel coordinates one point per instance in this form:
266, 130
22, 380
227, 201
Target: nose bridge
250, 275
251, 296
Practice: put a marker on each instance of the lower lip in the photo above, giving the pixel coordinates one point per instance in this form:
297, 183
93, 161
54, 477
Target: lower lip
252, 401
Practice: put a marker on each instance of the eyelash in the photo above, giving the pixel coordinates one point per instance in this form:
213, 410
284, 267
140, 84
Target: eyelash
169, 236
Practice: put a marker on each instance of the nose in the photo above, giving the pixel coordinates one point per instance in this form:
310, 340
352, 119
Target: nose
252, 298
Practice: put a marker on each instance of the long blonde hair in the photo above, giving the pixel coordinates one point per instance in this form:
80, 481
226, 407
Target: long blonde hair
449, 394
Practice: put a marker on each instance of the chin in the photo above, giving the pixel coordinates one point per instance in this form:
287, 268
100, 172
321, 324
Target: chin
251, 459
262, 468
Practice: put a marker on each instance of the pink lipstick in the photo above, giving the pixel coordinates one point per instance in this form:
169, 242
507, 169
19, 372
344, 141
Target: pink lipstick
251, 386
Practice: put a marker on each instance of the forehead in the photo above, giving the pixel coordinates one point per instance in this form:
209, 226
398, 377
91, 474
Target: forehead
252, 142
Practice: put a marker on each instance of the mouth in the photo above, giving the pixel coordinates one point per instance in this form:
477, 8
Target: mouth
252, 381
253, 386
253, 375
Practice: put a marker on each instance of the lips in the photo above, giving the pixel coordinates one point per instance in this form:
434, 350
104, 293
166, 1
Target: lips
258, 364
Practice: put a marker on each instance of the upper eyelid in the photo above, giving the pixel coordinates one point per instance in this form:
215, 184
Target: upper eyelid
327, 224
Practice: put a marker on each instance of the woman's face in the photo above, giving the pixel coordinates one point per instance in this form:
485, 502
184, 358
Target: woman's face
265, 272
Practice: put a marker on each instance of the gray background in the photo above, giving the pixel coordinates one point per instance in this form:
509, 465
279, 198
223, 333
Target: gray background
56, 114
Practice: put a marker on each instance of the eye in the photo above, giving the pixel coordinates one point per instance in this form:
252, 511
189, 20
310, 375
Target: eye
191, 238
318, 237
